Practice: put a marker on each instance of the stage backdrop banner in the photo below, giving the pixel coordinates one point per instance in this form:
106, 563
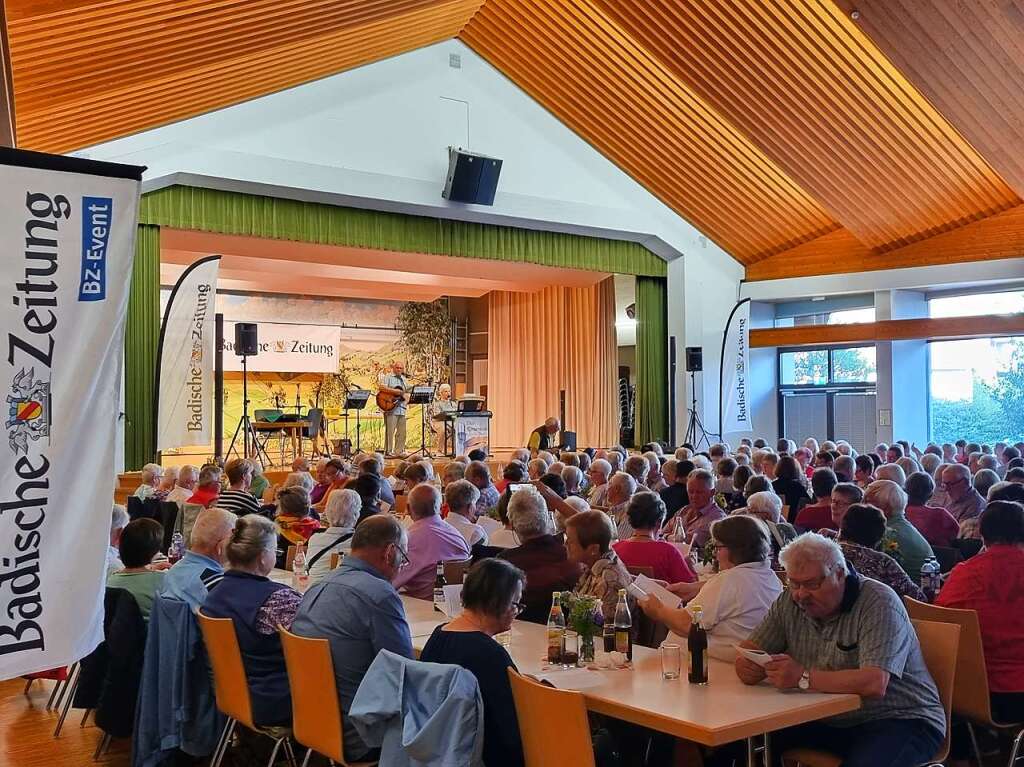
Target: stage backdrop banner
184, 373
735, 371
288, 348
67, 232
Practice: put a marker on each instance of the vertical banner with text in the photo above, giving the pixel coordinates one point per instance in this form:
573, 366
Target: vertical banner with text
184, 377
67, 235
735, 372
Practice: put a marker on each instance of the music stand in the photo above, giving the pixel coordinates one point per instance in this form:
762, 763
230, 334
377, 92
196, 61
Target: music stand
423, 396
355, 399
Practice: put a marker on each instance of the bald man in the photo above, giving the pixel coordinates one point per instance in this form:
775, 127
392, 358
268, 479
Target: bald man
543, 437
202, 567
431, 540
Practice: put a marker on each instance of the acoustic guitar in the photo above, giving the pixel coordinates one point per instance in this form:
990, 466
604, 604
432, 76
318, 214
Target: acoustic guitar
387, 401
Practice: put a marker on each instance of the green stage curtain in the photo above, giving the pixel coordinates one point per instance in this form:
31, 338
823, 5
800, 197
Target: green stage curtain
214, 210
142, 333
651, 413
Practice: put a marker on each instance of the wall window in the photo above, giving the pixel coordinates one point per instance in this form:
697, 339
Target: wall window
839, 317
824, 367
977, 389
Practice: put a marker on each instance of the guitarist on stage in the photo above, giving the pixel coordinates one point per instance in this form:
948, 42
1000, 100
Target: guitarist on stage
394, 420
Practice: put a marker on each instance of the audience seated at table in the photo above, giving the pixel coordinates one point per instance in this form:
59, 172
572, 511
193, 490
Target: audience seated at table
911, 547
431, 540
573, 479
185, 485
992, 584
696, 517
461, 497
588, 539
139, 543
491, 599
540, 554
653, 480
294, 520
149, 480
734, 600
168, 480
237, 497
118, 521
845, 468
357, 609
259, 484
646, 513
322, 482
937, 525
598, 475
871, 649
341, 515
479, 475
335, 474
817, 514
790, 485
208, 486
202, 565
372, 465
767, 506
861, 530
962, 500
257, 606
367, 487
456, 470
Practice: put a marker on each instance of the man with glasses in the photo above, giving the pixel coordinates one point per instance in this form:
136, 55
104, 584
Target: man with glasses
839, 632
358, 610
597, 476
963, 501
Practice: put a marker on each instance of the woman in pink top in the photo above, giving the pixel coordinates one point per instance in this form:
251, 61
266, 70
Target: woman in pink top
937, 525
646, 512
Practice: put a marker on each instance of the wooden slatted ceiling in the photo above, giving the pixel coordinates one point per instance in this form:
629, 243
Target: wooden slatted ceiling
576, 61
90, 70
804, 84
968, 59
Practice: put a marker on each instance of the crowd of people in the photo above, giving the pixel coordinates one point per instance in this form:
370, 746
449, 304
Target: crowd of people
802, 552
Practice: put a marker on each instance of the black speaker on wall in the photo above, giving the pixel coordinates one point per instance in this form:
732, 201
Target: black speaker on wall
246, 341
694, 359
472, 178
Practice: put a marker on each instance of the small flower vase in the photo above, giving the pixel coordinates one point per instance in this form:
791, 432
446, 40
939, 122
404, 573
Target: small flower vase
586, 650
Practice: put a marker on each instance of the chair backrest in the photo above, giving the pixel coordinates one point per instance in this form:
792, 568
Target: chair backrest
169, 513
230, 686
641, 570
553, 724
939, 643
316, 716
135, 507
947, 557
289, 557
335, 560
455, 572
189, 513
970, 691
967, 547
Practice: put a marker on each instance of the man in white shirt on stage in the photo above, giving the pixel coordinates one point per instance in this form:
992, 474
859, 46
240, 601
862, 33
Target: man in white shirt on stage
394, 420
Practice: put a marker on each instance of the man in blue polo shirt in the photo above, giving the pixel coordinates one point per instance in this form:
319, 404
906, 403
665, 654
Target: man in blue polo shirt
203, 564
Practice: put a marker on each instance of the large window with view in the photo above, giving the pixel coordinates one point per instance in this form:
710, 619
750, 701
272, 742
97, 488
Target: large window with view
977, 385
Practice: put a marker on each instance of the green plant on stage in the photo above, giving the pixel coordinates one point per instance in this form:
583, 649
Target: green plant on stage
425, 331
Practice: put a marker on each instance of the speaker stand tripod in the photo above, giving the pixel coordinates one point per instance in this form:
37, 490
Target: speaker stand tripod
245, 427
695, 426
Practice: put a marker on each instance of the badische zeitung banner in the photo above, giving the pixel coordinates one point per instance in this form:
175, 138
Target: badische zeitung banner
67, 240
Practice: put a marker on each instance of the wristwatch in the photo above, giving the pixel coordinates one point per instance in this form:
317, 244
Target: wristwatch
805, 680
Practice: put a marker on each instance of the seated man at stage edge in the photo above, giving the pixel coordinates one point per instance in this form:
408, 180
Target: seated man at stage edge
542, 438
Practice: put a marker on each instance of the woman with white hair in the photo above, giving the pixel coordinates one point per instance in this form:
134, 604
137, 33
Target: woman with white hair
573, 479
342, 513
892, 472
767, 506
150, 479
654, 480
912, 550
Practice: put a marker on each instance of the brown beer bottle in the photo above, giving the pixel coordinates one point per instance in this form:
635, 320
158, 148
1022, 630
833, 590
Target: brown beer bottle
697, 644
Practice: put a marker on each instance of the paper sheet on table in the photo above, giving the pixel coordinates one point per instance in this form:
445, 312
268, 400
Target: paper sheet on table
424, 628
648, 586
453, 600
570, 679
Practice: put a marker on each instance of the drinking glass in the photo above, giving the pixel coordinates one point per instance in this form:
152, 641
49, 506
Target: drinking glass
571, 653
671, 661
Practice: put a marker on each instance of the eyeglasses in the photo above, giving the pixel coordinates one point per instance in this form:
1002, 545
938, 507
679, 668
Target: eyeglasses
947, 485
405, 557
812, 585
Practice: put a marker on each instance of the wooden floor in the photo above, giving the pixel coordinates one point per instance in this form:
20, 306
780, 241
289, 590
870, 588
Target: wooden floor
26, 732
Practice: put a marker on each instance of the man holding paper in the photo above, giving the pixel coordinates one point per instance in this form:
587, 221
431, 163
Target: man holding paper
733, 602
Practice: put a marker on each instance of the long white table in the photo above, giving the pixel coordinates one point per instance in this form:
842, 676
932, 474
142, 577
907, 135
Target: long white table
723, 711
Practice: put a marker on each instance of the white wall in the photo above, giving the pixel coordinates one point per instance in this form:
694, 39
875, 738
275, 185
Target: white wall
377, 137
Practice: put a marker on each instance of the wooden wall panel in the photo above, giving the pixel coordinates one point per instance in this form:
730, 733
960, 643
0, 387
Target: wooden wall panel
581, 65
86, 72
7, 125
934, 329
1000, 236
804, 84
967, 59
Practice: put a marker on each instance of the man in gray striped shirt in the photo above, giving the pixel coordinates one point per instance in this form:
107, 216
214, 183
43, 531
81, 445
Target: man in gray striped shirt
836, 631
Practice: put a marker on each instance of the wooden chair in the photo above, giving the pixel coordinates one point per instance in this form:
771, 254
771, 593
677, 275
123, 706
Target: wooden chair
455, 571
335, 560
401, 501
939, 643
316, 716
553, 724
231, 689
971, 697
289, 557
641, 570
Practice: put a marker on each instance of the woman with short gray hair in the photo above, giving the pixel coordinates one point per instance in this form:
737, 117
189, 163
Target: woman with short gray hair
342, 513
573, 478
257, 606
